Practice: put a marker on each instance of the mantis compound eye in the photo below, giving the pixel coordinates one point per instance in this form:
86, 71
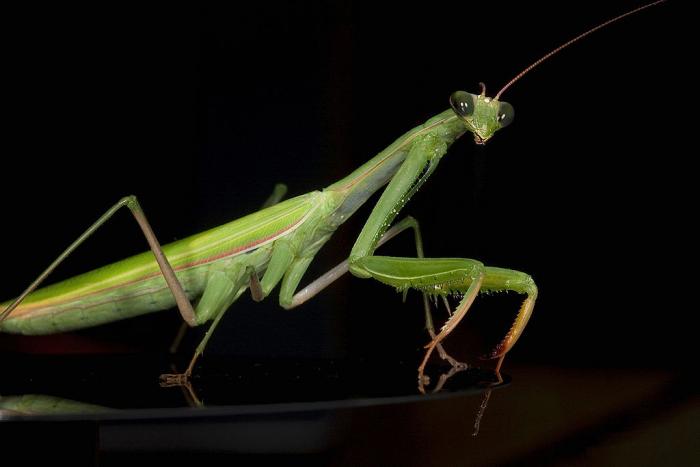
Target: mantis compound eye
462, 103
506, 113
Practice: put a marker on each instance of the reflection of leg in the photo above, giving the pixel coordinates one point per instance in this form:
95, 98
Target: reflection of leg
480, 413
445, 376
187, 390
484, 403
182, 330
190, 395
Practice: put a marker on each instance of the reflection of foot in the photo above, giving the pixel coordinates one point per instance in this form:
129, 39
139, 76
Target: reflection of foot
456, 365
423, 381
181, 380
445, 376
447, 357
177, 379
456, 368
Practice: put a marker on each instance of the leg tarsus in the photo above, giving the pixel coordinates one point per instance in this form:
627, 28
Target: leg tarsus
168, 380
179, 380
183, 379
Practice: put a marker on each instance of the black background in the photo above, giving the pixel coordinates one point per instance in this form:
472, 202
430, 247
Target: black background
199, 111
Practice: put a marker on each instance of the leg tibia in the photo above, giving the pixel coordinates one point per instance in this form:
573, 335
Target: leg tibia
501, 280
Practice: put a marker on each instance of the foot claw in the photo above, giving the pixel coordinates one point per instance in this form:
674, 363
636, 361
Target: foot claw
459, 366
177, 379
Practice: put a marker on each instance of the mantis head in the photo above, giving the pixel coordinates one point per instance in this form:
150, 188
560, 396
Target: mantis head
482, 115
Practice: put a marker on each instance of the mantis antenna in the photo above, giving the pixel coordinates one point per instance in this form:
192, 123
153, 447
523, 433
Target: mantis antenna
575, 39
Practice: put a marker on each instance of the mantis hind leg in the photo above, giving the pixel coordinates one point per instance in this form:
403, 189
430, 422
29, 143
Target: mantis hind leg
183, 302
223, 288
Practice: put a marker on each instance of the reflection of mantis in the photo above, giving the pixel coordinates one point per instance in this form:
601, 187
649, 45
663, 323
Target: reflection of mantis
41, 404
277, 244
474, 381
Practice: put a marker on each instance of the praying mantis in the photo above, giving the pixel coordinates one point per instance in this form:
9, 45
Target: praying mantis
275, 246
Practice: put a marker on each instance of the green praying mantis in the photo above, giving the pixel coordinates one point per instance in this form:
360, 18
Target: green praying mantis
275, 246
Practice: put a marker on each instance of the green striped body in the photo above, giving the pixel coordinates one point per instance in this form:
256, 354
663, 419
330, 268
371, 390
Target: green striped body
135, 286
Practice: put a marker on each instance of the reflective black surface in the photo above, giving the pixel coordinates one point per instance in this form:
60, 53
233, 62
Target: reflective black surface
126, 387
341, 413
241, 407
